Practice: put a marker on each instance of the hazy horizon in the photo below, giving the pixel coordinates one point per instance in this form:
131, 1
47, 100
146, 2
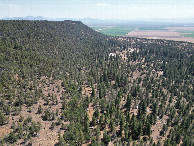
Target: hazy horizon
99, 9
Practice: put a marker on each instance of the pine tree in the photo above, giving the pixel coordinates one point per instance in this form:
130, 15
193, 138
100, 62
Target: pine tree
61, 141
86, 123
112, 125
128, 104
149, 129
121, 125
106, 138
3, 119
93, 94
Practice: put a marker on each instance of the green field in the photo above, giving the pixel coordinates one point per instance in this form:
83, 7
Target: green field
97, 28
123, 30
115, 31
190, 33
152, 28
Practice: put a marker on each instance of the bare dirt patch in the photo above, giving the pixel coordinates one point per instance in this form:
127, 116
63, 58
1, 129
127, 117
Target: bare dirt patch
4, 131
90, 111
161, 34
180, 28
154, 33
157, 128
86, 90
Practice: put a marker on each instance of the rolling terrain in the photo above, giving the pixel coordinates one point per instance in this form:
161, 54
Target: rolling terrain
62, 83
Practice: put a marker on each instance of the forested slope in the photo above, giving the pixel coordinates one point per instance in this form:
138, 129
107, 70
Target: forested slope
63, 83
65, 43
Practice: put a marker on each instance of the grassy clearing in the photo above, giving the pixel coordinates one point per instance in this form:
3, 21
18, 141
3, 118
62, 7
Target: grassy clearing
117, 31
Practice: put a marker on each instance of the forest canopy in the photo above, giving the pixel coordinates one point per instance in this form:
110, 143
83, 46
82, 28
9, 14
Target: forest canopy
66, 84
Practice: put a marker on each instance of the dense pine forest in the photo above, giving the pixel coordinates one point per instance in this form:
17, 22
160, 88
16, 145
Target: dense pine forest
62, 83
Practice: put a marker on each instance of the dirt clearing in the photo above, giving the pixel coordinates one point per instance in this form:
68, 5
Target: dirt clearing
161, 34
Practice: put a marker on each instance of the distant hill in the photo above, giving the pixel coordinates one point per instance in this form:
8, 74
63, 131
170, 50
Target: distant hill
69, 41
93, 21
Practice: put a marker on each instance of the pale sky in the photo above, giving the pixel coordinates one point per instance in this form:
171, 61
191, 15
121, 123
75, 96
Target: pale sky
102, 9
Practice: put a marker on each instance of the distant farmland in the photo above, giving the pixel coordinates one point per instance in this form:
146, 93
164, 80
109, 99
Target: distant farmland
151, 32
114, 30
187, 33
152, 28
163, 34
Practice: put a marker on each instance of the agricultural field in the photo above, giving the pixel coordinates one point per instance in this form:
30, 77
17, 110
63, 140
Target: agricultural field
152, 28
114, 30
98, 28
151, 32
180, 28
187, 33
167, 33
